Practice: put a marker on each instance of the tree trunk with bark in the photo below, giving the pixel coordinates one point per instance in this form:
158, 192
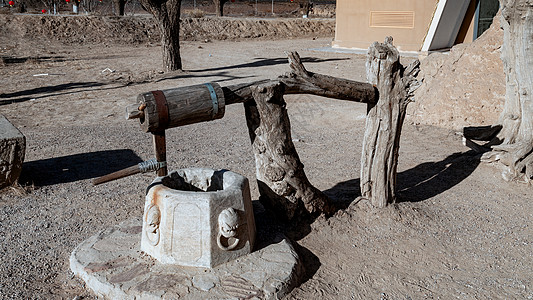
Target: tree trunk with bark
305, 7
381, 142
118, 7
282, 182
511, 141
280, 176
219, 7
167, 14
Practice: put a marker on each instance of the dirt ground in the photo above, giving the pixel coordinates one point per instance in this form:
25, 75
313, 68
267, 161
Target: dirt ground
458, 231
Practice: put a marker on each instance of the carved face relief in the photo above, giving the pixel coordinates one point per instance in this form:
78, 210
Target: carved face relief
153, 219
228, 223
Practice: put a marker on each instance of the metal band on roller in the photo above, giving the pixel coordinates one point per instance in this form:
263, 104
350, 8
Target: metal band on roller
213, 98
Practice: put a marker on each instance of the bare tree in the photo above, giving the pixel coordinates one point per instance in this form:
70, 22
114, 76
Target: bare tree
89, 5
167, 14
305, 7
219, 7
118, 7
511, 141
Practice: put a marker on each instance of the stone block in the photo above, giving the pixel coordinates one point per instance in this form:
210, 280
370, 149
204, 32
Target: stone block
198, 217
12, 151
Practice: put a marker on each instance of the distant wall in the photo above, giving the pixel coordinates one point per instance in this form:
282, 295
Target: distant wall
361, 22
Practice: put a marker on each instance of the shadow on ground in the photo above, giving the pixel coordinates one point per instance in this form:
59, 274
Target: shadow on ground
271, 229
262, 62
417, 184
223, 76
29, 94
433, 178
76, 167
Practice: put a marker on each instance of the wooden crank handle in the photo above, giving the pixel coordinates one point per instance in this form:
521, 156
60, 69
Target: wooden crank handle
143, 167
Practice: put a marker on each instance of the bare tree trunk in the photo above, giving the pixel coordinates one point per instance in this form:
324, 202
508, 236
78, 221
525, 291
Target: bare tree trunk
282, 182
384, 121
514, 143
170, 36
219, 7
118, 7
305, 7
167, 13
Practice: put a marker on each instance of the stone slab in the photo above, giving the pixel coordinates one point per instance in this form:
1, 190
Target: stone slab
12, 151
113, 267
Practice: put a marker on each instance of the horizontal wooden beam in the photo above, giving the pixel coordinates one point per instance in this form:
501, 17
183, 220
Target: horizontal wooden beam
301, 81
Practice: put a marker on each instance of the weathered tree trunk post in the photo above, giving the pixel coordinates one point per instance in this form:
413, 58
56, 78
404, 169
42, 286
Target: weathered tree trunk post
219, 7
118, 7
384, 121
167, 14
305, 8
515, 149
282, 182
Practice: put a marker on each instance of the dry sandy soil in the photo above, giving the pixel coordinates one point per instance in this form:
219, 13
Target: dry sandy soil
458, 230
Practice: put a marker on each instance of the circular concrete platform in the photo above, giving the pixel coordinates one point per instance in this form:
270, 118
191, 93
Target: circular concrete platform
112, 266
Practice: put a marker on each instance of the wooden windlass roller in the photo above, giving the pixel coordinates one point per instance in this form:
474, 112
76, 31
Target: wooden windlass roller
161, 110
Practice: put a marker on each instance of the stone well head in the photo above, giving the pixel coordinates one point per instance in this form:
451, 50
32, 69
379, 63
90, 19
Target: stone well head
198, 217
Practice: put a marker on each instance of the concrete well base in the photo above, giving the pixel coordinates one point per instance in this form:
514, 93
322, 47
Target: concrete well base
12, 150
113, 267
198, 217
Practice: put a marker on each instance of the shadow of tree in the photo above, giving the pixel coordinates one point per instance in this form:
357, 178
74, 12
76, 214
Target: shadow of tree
76, 167
37, 59
271, 229
8, 60
51, 88
432, 178
183, 75
417, 184
30, 93
344, 193
262, 62
79, 87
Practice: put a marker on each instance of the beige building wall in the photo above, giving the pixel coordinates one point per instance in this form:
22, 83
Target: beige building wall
361, 22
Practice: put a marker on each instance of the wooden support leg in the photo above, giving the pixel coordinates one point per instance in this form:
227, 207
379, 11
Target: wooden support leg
160, 148
384, 121
280, 175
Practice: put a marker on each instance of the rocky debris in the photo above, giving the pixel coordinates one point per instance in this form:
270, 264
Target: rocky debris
12, 150
463, 87
324, 11
143, 29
